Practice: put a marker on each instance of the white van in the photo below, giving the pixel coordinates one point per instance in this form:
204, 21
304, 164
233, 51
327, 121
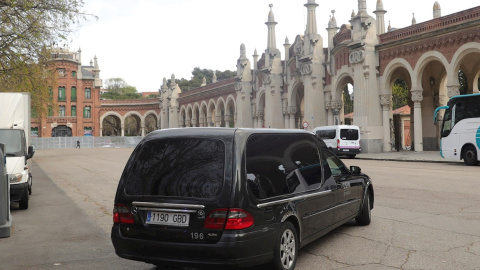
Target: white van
343, 140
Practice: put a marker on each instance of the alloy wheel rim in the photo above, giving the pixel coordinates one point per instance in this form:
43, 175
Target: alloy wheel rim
287, 249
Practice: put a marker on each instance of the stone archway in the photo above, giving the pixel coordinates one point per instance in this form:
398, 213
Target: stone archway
297, 106
150, 123
111, 125
133, 126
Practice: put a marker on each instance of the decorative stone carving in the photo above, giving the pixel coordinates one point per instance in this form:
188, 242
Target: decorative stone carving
305, 69
266, 79
292, 110
453, 90
417, 95
337, 105
260, 114
366, 71
356, 57
328, 105
238, 86
298, 48
385, 100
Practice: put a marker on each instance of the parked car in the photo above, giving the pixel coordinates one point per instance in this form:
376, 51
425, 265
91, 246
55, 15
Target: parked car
233, 197
342, 140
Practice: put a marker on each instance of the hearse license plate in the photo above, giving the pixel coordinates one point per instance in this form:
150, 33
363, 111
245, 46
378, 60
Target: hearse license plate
168, 219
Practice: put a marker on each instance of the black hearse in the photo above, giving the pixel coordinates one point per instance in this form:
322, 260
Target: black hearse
233, 197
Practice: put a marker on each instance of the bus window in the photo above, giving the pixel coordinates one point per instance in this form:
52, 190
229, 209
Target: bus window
447, 123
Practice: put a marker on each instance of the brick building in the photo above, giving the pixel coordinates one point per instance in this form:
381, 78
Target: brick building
77, 98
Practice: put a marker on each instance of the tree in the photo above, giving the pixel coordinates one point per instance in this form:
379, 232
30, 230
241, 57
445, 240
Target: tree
347, 101
399, 94
197, 78
118, 88
28, 28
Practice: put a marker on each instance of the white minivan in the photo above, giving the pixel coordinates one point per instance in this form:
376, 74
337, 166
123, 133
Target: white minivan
343, 140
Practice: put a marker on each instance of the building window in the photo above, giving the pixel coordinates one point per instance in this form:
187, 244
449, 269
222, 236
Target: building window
88, 93
74, 93
61, 111
74, 110
34, 132
61, 72
87, 131
86, 112
74, 74
50, 111
61, 93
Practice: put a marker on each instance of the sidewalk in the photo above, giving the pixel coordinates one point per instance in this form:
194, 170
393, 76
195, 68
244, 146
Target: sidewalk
411, 156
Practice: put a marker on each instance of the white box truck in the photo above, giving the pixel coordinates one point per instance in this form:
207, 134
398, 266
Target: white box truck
15, 112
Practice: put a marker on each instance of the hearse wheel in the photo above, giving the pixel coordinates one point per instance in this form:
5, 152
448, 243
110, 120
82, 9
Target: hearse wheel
365, 215
470, 156
286, 248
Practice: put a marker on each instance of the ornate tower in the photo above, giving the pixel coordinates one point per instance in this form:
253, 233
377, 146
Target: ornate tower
380, 12
243, 87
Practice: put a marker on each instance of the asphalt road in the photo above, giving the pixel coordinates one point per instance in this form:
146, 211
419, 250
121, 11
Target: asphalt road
426, 216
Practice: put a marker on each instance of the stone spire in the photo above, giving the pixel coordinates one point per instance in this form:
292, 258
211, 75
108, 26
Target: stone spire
204, 82
437, 10
353, 14
286, 45
362, 8
380, 12
79, 66
311, 17
332, 23
214, 79
389, 26
271, 44
96, 70
414, 21
255, 60
332, 30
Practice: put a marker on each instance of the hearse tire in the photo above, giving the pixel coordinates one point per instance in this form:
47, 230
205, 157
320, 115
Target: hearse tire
285, 253
365, 215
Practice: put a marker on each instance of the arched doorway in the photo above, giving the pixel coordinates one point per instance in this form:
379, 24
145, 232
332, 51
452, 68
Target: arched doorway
61, 131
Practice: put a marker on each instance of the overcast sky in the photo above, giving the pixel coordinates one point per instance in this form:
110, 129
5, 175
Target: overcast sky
143, 41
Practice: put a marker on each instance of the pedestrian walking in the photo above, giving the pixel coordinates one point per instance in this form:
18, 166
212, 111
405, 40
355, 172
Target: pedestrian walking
78, 144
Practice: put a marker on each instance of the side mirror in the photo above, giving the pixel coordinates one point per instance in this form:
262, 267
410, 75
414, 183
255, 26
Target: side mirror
31, 151
355, 170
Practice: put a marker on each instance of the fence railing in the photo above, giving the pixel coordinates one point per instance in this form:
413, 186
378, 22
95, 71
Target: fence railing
85, 142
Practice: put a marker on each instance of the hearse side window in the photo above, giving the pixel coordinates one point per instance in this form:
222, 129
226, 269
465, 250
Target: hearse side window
327, 134
183, 167
279, 164
335, 165
349, 134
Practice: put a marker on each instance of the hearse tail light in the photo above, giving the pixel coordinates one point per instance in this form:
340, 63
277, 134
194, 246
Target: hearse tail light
122, 214
237, 219
338, 144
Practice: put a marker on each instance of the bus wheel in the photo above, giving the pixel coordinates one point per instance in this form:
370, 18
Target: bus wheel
470, 155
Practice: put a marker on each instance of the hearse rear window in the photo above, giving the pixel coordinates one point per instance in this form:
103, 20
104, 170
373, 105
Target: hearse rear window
180, 167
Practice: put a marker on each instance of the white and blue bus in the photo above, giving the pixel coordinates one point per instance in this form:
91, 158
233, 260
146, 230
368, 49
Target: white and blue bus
460, 134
